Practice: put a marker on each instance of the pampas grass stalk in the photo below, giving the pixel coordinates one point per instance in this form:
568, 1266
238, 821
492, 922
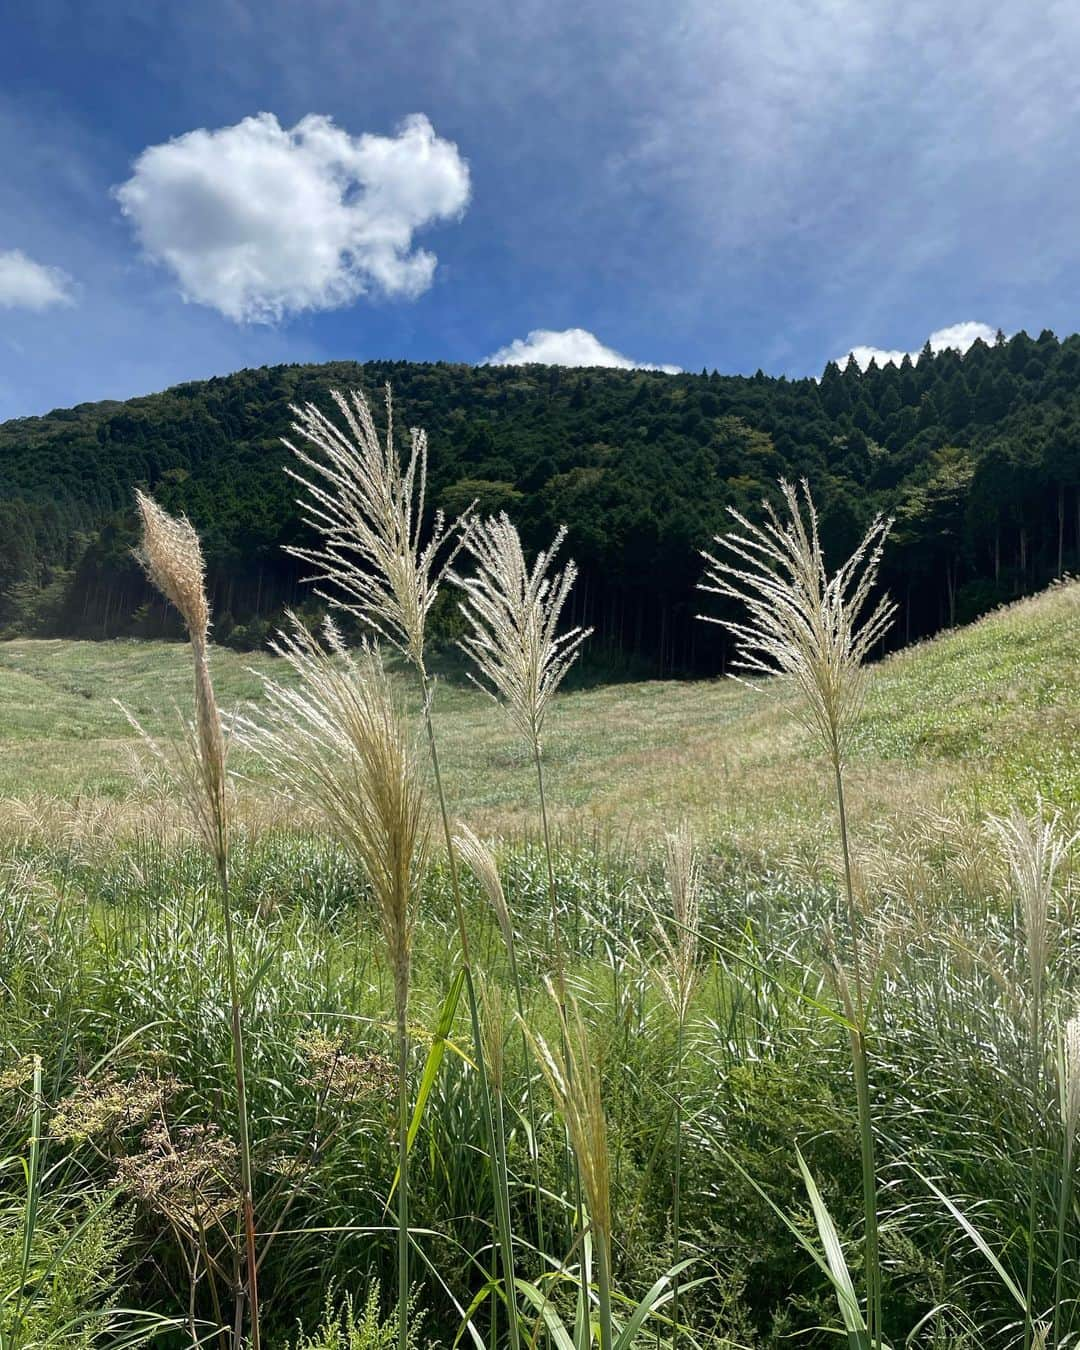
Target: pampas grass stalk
171, 555
481, 862
573, 1076
336, 738
513, 615
369, 513
1033, 848
1070, 1123
677, 936
815, 631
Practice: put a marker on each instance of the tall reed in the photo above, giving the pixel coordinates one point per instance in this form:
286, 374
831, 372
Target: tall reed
481, 862
513, 614
1070, 1124
368, 512
172, 557
1034, 848
677, 936
815, 631
336, 738
573, 1076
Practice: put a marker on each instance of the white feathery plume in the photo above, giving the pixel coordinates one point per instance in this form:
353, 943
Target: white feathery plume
336, 737
513, 613
369, 513
1034, 848
803, 624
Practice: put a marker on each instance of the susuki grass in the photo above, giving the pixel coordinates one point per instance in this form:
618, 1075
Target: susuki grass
238, 999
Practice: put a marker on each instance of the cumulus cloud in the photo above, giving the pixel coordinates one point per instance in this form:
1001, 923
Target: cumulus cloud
26, 284
260, 222
570, 347
959, 336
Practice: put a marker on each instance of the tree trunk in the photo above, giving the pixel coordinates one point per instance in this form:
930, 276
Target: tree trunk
1061, 529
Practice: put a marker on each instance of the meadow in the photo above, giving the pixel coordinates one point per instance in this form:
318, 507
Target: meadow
643, 1110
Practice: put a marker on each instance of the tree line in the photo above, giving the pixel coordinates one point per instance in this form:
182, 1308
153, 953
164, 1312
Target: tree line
976, 456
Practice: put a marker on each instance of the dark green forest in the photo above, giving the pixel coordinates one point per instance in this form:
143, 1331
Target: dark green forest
977, 457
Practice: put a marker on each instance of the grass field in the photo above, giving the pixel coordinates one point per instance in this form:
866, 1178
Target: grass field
976, 719
117, 1167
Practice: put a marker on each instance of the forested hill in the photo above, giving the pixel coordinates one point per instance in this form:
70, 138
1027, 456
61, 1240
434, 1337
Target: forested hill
978, 457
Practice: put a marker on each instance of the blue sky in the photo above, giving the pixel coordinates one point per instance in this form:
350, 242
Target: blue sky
189, 188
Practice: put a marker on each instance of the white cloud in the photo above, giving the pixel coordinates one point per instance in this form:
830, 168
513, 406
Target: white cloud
959, 336
25, 284
570, 347
260, 222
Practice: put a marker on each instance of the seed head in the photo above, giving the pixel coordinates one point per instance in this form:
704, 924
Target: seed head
573, 1076
678, 934
513, 613
1034, 848
172, 558
336, 737
481, 862
1071, 1085
803, 624
369, 513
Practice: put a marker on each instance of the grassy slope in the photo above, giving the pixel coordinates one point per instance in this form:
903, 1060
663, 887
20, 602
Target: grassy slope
979, 717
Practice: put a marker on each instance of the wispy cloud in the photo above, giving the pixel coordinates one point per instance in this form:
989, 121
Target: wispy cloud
260, 222
570, 347
26, 284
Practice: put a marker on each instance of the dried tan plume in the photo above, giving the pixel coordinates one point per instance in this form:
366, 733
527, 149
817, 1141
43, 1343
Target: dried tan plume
1034, 848
513, 613
369, 513
336, 737
1071, 1085
573, 1076
172, 557
677, 933
803, 624
476, 855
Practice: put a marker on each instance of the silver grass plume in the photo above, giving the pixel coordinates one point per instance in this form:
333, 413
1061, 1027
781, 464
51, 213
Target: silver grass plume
172, 558
677, 933
513, 613
803, 624
336, 737
574, 1079
1034, 848
479, 859
368, 511
1071, 1086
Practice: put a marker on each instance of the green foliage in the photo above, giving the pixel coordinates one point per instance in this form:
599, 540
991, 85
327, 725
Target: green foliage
979, 457
344, 1328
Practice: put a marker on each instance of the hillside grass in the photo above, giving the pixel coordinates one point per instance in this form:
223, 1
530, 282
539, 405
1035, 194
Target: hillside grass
975, 719
112, 965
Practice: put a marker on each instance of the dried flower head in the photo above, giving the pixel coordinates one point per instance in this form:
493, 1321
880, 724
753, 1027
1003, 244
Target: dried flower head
495, 1020
369, 512
107, 1106
1070, 1096
190, 1178
336, 737
481, 862
573, 1076
513, 613
20, 1073
173, 560
1034, 848
803, 624
678, 933
344, 1075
